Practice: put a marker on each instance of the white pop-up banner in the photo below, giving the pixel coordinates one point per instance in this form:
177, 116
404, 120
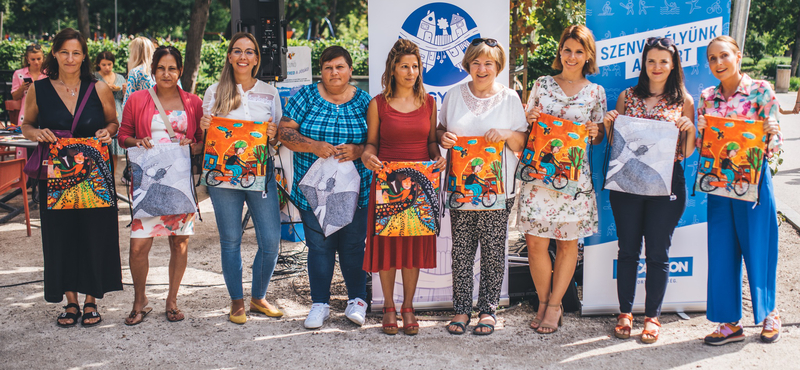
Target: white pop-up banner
442, 30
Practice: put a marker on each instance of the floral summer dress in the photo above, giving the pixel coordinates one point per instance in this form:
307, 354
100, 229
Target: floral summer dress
182, 224
546, 213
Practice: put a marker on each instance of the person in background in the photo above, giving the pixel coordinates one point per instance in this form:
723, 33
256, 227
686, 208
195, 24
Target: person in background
104, 71
140, 56
239, 95
326, 119
142, 126
23, 78
81, 246
546, 214
737, 229
659, 95
402, 128
482, 107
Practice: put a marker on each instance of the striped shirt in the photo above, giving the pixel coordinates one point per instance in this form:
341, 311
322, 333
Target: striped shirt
322, 120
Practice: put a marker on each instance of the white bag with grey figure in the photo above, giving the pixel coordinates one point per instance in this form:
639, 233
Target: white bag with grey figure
331, 189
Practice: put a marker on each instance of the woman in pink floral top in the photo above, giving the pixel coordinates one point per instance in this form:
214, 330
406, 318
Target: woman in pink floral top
738, 229
658, 95
546, 214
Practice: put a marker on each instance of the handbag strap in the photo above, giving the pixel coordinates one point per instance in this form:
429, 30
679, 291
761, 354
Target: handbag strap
162, 113
80, 108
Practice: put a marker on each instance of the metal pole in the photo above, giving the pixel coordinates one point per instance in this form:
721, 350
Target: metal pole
739, 14
2, 17
116, 33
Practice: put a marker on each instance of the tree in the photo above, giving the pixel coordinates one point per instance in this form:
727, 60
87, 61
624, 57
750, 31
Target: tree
194, 43
83, 18
779, 20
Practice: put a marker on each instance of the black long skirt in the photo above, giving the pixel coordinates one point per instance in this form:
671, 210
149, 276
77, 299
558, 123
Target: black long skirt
81, 250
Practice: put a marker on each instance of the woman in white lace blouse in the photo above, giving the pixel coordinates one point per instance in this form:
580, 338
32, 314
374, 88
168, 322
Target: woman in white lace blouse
481, 107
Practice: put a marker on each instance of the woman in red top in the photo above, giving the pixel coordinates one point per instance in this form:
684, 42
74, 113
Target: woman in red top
401, 124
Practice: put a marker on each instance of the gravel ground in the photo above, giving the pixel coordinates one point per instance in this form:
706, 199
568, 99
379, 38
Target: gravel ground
206, 339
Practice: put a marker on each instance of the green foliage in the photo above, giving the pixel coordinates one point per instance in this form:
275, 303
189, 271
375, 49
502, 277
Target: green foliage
770, 69
11, 53
755, 46
359, 54
794, 83
553, 16
540, 64
575, 155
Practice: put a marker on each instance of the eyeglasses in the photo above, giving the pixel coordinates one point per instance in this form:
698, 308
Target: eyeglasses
238, 52
665, 42
489, 42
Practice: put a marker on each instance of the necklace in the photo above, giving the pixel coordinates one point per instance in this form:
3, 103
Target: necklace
72, 92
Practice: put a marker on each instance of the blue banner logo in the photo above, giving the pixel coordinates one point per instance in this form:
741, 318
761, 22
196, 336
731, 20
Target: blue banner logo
678, 267
443, 32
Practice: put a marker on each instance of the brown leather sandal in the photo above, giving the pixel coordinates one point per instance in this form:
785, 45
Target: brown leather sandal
390, 328
651, 336
624, 331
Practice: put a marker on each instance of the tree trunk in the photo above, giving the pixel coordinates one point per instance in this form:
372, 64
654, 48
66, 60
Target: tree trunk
796, 50
194, 43
83, 19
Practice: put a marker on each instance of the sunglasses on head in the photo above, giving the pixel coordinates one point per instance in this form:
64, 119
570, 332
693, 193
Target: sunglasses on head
665, 42
33, 47
489, 42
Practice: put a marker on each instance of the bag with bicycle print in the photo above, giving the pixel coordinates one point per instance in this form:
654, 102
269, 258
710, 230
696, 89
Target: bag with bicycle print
475, 175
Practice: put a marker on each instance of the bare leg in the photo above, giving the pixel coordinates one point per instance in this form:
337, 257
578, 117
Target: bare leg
72, 297
140, 266
410, 278
541, 272
387, 286
237, 307
566, 259
178, 256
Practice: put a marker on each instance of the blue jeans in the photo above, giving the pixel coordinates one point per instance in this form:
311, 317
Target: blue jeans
349, 241
228, 205
550, 169
235, 168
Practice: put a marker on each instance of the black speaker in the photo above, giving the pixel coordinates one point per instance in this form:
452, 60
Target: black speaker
265, 20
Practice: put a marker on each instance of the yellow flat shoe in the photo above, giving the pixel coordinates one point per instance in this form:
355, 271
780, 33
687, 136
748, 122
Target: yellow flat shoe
237, 319
271, 312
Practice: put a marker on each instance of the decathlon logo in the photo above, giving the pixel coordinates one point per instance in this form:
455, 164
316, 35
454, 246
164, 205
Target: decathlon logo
688, 37
678, 267
443, 32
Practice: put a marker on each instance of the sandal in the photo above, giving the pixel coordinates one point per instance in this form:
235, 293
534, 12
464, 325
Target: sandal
409, 329
475, 330
390, 328
174, 315
537, 320
651, 336
624, 331
69, 315
458, 324
547, 326
132, 317
90, 315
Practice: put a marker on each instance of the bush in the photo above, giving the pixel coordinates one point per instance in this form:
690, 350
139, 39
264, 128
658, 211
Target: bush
770, 68
543, 56
794, 83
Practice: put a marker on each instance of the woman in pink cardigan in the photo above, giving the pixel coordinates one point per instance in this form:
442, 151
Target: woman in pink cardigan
142, 126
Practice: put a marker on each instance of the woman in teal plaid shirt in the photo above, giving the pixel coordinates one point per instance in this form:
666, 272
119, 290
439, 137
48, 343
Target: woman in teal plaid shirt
322, 120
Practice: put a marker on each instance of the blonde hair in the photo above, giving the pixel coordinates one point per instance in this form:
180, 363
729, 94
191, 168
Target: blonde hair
227, 98
583, 35
496, 53
400, 49
727, 40
141, 53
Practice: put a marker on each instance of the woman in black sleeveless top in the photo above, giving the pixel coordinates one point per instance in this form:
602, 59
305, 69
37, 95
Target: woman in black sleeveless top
81, 246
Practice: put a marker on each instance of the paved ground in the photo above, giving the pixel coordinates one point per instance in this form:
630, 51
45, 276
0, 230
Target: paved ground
788, 177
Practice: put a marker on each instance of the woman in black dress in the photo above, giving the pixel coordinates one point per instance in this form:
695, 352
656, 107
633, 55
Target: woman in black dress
81, 246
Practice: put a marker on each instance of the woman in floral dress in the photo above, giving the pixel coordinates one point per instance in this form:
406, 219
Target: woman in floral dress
546, 214
142, 126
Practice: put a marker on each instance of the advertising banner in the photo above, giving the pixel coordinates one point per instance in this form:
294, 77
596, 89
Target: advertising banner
442, 30
621, 30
